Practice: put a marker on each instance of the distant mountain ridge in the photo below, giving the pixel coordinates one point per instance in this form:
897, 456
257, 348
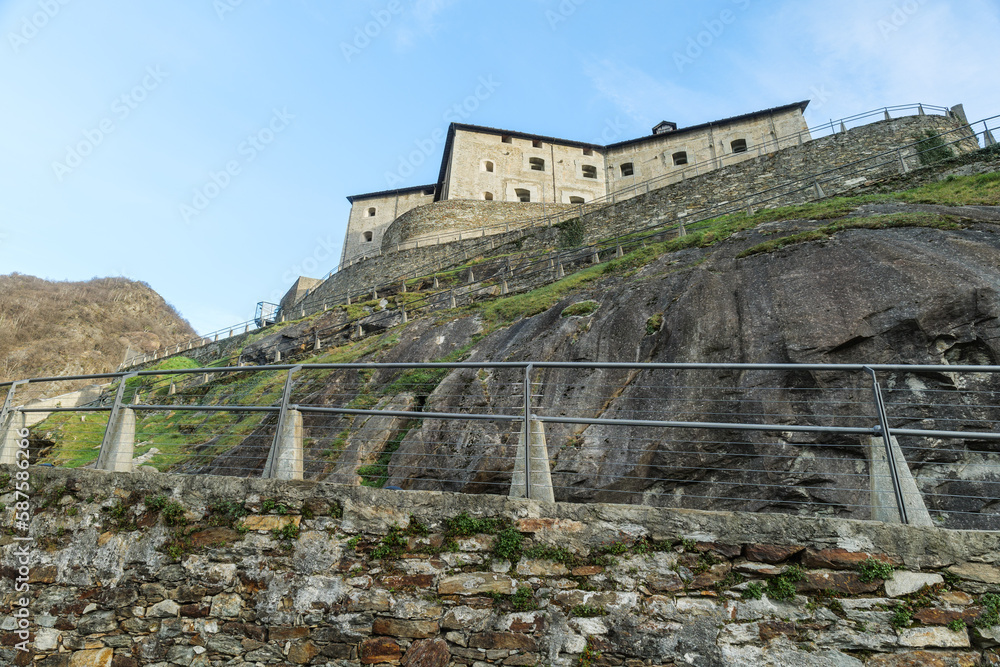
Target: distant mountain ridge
61, 328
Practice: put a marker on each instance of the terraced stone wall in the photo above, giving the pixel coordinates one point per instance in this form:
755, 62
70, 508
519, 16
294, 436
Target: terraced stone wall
150, 569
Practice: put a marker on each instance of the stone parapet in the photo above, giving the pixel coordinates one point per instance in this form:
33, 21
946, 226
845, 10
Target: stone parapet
199, 570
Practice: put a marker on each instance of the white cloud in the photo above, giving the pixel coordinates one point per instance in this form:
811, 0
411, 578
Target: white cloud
873, 53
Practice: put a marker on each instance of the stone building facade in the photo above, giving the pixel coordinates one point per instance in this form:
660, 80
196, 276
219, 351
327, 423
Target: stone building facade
488, 164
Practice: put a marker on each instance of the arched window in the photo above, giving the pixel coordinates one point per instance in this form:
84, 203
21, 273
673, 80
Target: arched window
576, 200
627, 169
368, 237
371, 212
536, 164
589, 171
680, 158
522, 194
488, 166
488, 196
739, 146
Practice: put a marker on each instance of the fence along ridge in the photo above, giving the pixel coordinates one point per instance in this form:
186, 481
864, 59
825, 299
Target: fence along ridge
895, 495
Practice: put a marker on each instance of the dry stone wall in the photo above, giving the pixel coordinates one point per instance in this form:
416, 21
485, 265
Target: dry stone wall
150, 569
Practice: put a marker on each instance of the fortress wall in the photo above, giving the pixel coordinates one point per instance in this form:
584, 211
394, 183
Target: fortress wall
232, 571
653, 157
455, 216
563, 176
731, 183
387, 207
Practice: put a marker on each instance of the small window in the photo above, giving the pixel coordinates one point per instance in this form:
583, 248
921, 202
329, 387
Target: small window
680, 158
488, 196
429, 191
488, 165
739, 146
523, 195
535, 143
368, 237
506, 139
589, 171
588, 152
371, 212
536, 164
576, 200
627, 169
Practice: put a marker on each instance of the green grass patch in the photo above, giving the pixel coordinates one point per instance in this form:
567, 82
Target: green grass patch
77, 437
376, 474
895, 220
581, 309
977, 190
512, 308
654, 324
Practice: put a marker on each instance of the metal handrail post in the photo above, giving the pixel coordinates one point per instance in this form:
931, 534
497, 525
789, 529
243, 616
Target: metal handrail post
527, 431
886, 435
113, 417
9, 399
286, 394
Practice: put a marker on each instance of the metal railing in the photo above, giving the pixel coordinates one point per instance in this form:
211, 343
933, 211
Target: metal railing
792, 438
818, 182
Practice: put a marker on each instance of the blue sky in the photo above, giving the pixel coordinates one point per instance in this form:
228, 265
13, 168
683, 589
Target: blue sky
207, 146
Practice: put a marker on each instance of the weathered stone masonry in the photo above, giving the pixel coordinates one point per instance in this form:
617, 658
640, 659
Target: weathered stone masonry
151, 569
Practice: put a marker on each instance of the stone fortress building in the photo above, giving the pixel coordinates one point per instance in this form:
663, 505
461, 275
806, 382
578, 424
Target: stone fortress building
517, 168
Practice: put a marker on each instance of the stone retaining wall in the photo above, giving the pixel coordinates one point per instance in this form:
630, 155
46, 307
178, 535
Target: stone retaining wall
456, 216
152, 569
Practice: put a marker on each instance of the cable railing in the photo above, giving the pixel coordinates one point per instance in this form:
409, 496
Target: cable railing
901, 156
848, 440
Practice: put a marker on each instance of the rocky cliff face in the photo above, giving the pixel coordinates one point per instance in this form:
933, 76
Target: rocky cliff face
915, 295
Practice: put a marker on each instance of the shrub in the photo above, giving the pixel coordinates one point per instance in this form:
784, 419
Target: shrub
782, 587
933, 149
507, 544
